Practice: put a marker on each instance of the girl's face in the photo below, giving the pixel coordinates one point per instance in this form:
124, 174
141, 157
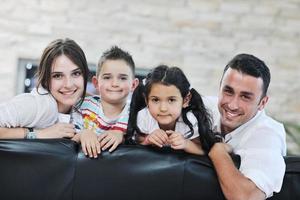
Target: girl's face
66, 83
165, 104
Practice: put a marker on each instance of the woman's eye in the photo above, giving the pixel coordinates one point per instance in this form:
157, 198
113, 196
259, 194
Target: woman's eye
106, 77
77, 74
57, 76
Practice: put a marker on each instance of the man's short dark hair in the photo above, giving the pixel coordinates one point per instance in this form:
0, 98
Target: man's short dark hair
253, 66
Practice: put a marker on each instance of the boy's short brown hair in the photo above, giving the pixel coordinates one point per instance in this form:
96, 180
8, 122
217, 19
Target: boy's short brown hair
116, 53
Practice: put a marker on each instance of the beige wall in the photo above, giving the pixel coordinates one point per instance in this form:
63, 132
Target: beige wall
197, 35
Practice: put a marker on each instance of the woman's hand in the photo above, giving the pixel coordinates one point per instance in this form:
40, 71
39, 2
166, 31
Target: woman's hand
59, 130
110, 139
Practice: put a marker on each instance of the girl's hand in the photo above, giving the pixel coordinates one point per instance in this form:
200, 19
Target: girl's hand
59, 130
89, 143
157, 137
110, 139
176, 140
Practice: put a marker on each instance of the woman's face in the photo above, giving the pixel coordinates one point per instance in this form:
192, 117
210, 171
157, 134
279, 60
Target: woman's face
66, 83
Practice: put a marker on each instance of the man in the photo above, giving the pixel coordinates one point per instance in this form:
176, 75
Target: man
248, 132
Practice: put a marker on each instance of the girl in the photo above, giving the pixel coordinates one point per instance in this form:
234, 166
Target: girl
166, 112
62, 79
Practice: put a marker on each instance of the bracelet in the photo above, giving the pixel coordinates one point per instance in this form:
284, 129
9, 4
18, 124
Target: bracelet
30, 134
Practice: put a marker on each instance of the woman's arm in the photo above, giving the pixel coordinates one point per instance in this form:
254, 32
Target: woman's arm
29, 110
12, 133
59, 130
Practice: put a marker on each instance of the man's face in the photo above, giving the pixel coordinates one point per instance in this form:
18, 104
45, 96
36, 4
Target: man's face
239, 99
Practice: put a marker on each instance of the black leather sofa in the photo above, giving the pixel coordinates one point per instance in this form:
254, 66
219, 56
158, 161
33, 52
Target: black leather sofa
57, 169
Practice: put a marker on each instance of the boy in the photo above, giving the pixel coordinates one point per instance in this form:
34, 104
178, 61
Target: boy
105, 117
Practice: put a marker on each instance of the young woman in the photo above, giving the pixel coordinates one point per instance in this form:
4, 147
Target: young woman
47, 110
165, 111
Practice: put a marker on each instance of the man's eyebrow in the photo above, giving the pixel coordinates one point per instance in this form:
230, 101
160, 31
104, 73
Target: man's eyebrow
227, 87
247, 93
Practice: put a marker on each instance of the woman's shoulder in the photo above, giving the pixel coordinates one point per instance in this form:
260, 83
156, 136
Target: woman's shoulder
36, 97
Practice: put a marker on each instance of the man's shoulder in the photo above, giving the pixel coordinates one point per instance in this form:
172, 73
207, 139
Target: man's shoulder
269, 131
267, 122
211, 104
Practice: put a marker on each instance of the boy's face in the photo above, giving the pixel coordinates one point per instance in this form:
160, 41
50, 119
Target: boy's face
115, 81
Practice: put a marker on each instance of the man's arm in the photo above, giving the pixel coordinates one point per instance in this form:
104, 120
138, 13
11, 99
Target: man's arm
233, 183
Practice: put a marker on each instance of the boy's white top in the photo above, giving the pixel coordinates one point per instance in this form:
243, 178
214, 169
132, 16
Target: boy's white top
261, 144
29, 110
147, 124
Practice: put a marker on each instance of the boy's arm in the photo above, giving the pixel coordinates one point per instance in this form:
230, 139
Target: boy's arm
89, 142
111, 138
233, 183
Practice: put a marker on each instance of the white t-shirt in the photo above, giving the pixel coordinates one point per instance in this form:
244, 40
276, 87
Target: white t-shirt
29, 110
261, 144
147, 124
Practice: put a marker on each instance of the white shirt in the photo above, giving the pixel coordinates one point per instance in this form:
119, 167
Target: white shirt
261, 144
147, 124
29, 110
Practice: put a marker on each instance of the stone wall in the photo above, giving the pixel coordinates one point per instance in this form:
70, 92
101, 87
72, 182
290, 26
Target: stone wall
197, 35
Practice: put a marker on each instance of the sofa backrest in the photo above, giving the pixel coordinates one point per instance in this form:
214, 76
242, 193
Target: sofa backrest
57, 169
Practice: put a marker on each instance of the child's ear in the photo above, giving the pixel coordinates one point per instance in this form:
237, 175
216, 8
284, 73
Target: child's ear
134, 84
186, 100
95, 82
